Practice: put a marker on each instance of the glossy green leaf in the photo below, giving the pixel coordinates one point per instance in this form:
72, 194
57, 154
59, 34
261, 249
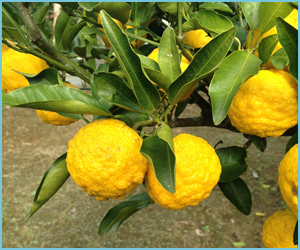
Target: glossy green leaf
266, 47
70, 33
49, 76
51, 182
215, 6
121, 212
141, 13
164, 132
145, 92
72, 5
233, 162
288, 38
159, 78
232, 73
42, 9
149, 63
96, 52
241, 34
180, 108
207, 20
89, 6
295, 235
113, 89
130, 117
292, 141
204, 62
269, 11
162, 158
54, 98
259, 143
280, 59
168, 55
117, 10
238, 193
251, 11
171, 7
63, 22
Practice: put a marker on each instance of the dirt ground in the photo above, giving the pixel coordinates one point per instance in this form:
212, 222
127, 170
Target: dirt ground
71, 218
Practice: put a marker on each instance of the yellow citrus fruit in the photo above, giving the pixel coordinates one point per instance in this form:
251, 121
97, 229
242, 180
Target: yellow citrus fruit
53, 117
278, 230
21, 62
104, 38
183, 66
266, 104
292, 19
196, 38
288, 179
104, 159
198, 170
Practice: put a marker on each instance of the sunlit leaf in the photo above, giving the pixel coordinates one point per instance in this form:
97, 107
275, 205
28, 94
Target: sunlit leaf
215, 6
145, 92
251, 11
266, 47
232, 73
203, 63
54, 98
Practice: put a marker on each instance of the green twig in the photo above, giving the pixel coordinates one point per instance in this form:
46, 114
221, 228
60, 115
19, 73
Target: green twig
14, 23
179, 14
48, 48
142, 39
141, 124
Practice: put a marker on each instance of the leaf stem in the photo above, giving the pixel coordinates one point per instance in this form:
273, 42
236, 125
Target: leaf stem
179, 14
142, 39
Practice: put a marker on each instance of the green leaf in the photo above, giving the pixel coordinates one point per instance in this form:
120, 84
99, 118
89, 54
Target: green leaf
168, 55
113, 89
171, 7
259, 143
54, 98
280, 59
204, 62
266, 47
237, 192
295, 235
293, 141
232, 73
232, 161
241, 34
145, 92
52, 180
159, 78
121, 212
89, 6
63, 21
215, 6
180, 108
251, 11
149, 63
288, 38
207, 20
239, 244
269, 11
70, 33
162, 158
164, 132
42, 9
141, 13
133, 117
49, 76
117, 10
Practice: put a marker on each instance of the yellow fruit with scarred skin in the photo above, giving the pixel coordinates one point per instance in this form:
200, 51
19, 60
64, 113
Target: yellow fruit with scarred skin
266, 104
104, 159
288, 179
197, 171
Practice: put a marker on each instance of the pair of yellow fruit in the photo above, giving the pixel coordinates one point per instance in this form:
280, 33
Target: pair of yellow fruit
104, 159
278, 229
12, 61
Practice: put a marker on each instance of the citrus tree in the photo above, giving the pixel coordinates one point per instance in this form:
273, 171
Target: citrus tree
141, 64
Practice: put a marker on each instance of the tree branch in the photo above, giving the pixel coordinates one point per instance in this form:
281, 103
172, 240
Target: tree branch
37, 39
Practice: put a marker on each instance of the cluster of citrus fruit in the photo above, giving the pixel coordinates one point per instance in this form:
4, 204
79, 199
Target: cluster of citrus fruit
278, 229
104, 159
13, 61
